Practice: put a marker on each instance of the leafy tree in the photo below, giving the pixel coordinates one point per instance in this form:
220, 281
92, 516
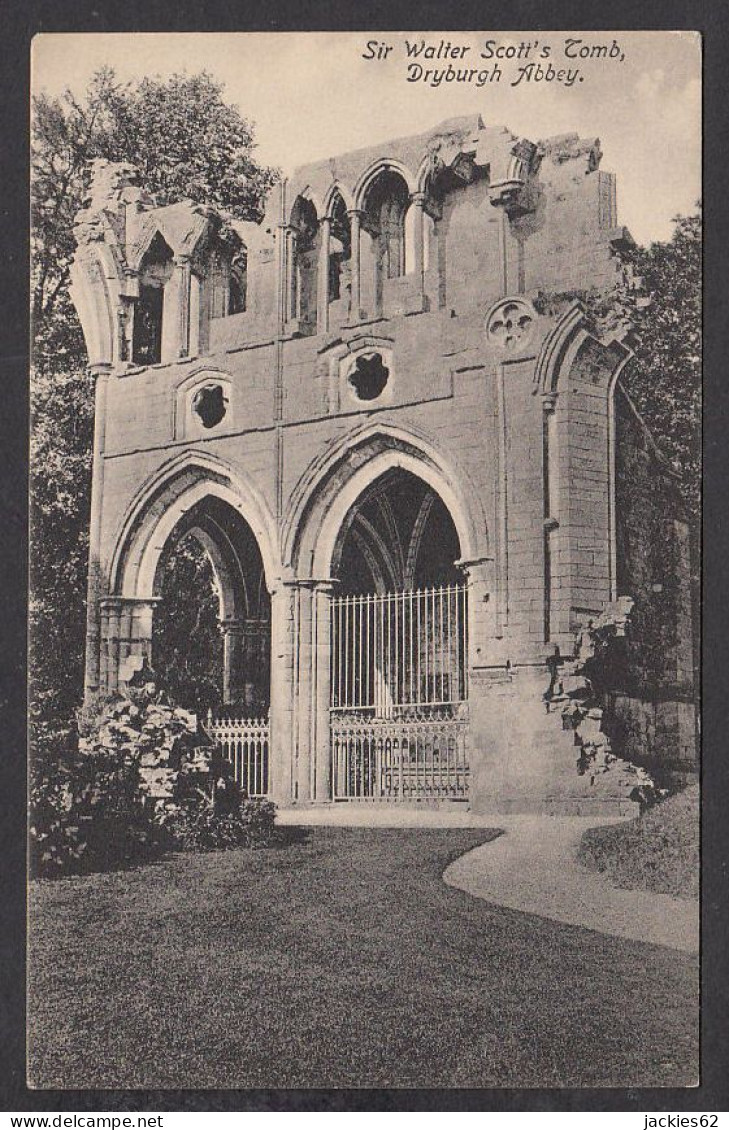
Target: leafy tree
664, 380
188, 143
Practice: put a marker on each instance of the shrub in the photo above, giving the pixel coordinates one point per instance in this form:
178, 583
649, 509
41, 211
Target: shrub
142, 778
88, 813
219, 817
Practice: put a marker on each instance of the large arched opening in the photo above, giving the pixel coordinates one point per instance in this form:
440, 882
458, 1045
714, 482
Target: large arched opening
304, 253
211, 641
399, 647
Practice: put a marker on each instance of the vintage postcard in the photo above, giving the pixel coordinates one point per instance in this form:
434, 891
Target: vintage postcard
365, 565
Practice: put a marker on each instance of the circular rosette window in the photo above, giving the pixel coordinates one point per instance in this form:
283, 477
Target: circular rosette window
210, 404
368, 376
510, 324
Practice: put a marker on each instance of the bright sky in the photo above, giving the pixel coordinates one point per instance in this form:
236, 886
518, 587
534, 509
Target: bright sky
313, 95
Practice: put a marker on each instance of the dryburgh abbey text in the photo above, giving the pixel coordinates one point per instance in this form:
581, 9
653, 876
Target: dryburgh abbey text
529, 61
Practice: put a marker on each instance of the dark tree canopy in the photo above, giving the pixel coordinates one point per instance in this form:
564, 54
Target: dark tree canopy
664, 380
188, 143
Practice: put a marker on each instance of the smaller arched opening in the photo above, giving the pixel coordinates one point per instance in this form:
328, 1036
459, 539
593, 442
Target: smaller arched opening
385, 206
238, 283
155, 272
227, 284
340, 255
211, 639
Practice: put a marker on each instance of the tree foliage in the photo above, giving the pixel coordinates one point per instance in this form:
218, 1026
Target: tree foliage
664, 380
188, 143
187, 644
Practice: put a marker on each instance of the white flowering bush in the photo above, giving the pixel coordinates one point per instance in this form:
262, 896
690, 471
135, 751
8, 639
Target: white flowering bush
144, 778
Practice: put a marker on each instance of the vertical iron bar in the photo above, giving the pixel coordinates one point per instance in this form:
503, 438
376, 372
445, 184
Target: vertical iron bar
441, 636
385, 601
434, 698
458, 641
360, 611
419, 644
368, 695
465, 642
426, 644
346, 650
396, 627
447, 633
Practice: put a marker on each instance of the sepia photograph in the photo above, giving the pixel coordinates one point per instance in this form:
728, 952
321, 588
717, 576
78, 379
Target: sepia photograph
365, 560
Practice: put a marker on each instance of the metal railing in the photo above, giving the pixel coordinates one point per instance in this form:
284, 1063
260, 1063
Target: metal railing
399, 648
419, 756
244, 742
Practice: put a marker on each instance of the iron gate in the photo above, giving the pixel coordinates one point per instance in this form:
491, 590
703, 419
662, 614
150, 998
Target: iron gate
399, 695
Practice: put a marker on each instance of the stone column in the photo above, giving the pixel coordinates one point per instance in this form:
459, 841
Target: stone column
484, 648
488, 682
304, 682
355, 222
282, 663
322, 298
309, 723
556, 621
291, 282
321, 638
140, 627
92, 674
126, 630
233, 646
417, 203
110, 616
103, 687
176, 312
184, 279
286, 239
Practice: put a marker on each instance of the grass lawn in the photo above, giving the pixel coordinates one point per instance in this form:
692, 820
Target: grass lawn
658, 851
341, 959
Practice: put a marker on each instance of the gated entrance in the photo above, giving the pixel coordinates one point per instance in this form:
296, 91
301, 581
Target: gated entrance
399, 695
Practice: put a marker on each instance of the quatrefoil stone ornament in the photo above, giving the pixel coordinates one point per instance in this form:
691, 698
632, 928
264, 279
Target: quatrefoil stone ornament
510, 324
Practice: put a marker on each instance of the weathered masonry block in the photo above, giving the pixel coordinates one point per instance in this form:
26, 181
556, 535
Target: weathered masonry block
385, 415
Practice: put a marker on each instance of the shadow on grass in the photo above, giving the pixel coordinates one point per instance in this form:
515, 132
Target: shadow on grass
283, 837
289, 835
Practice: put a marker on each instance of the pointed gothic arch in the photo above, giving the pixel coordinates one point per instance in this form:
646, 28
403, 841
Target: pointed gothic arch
326, 492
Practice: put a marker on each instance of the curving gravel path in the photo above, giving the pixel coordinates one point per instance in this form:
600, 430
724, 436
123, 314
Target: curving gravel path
533, 867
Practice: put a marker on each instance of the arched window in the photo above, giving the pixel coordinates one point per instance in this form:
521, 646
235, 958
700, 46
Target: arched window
384, 218
155, 271
238, 283
340, 251
304, 264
